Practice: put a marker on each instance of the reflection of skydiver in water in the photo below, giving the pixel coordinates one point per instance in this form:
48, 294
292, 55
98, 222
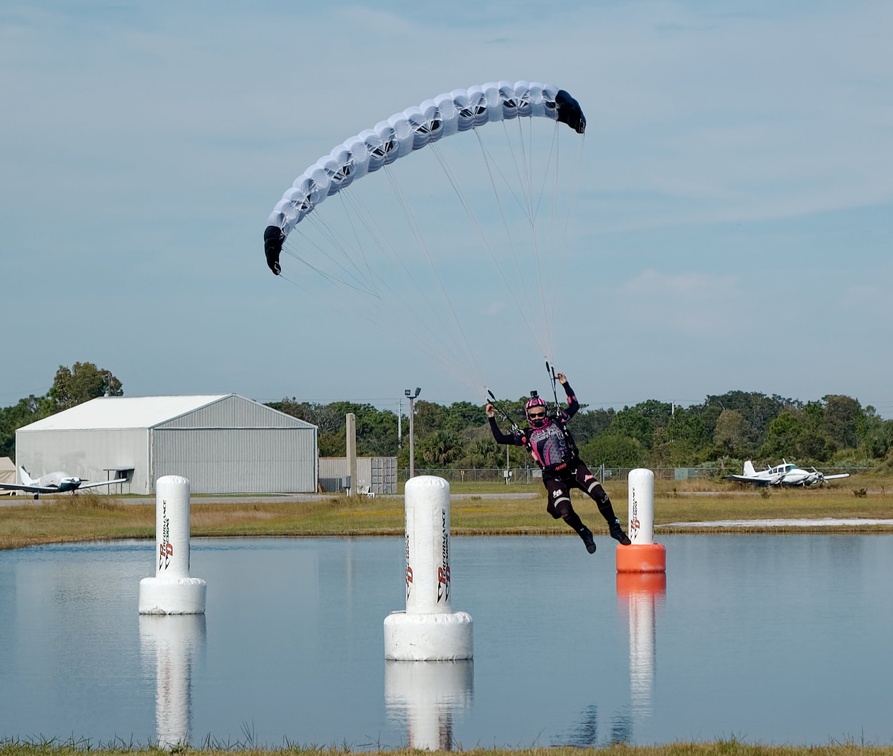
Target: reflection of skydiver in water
550, 443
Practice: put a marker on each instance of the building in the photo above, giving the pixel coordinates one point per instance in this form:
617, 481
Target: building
7, 473
375, 475
222, 443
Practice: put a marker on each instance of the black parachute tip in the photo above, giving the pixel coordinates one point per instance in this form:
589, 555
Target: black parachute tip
273, 239
570, 112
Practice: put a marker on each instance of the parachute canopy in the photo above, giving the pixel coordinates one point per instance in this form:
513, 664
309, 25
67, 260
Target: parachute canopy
402, 133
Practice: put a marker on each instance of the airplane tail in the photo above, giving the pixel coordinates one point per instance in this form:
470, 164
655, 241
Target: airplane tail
27, 480
749, 470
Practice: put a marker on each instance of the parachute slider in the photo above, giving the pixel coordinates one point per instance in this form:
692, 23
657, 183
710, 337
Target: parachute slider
273, 240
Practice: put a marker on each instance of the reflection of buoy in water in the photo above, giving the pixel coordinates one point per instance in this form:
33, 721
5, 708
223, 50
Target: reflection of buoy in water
642, 592
172, 591
424, 696
428, 630
172, 643
642, 555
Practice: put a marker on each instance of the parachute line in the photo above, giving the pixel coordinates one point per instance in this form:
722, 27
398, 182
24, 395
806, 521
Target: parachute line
396, 276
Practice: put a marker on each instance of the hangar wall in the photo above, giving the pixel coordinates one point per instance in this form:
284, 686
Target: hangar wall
86, 453
238, 460
221, 443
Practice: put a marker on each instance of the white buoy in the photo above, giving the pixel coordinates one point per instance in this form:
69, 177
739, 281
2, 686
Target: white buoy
172, 590
428, 630
172, 643
643, 554
426, 696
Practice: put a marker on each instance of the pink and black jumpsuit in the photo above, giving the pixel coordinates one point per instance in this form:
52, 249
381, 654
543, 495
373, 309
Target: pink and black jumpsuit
553, 449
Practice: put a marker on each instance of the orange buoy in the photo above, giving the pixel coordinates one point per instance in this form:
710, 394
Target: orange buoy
642, 555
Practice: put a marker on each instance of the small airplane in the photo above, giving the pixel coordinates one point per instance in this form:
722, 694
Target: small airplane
785, 474
56, 482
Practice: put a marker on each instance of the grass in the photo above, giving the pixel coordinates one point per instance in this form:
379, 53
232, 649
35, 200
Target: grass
90, 516
718, 748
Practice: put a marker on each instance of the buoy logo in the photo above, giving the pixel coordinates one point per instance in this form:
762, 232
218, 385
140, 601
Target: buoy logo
443, 572
408, 567
443, 583
165, 548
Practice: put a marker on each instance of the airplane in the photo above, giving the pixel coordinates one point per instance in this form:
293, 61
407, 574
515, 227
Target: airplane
56, 482
785, 474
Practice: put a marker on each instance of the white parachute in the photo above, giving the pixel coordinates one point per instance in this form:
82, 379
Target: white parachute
399, 282
413, 129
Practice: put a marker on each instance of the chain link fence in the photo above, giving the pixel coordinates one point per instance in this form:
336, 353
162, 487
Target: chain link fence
530, 475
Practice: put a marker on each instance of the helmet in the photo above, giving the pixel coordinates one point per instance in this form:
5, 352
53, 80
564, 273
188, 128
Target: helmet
534, 402
533, 405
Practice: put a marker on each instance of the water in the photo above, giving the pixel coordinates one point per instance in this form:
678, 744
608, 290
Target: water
767, 638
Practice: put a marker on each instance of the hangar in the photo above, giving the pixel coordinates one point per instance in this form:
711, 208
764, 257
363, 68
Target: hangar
223, 443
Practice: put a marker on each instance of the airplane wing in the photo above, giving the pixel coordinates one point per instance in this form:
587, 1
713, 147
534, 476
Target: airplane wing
29, 489
746, 479
101, 483
835, 477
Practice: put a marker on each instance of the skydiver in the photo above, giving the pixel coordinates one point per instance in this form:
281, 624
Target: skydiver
552, 447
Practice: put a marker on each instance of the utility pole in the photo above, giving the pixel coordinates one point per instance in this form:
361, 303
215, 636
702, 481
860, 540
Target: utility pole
412, 397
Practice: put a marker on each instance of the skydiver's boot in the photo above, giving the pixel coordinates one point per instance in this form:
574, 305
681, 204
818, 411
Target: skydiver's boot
573, 519
607, 511
617, 533
586, 535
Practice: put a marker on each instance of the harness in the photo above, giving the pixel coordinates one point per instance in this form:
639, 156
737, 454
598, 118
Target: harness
570, 452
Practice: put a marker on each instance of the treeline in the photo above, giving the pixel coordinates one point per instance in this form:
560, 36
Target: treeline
71, 386
721, 432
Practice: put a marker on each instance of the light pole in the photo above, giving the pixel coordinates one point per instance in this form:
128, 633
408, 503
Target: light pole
411, 396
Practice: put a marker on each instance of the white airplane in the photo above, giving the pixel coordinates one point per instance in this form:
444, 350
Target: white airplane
56, 482
785, 474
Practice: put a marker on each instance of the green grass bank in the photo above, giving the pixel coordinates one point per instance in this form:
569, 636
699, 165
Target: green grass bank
476, 509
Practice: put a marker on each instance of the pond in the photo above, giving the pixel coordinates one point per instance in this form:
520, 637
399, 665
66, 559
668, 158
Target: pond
767, 638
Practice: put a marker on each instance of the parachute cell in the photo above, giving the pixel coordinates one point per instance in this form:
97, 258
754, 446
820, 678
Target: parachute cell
447, 114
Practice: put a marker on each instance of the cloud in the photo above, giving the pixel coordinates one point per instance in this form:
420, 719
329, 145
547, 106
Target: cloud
686, 305
737, 175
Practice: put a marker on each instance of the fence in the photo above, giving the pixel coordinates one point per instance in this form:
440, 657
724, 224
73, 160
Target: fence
530, 475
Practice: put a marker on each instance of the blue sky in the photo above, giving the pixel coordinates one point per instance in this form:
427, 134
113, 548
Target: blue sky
732, 226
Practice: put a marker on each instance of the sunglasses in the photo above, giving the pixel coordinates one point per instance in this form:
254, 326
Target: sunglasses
535, 415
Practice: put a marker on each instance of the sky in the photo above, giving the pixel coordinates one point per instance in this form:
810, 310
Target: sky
731, 226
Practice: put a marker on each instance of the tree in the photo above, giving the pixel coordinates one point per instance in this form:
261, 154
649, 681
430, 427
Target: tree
613, 450
83, 382
844, 419
877, 438
587, 424
680, 441
438, 449
758, 411
429, 418
784, 435
730, 435
639, 422
25, 412
376, 429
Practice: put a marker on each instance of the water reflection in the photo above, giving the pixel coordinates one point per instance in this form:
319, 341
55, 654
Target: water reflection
172, 642
640, 595
564, 655
424, 696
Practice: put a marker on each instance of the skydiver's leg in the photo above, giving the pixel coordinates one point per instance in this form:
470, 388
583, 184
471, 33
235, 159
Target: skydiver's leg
589, 483
559, 505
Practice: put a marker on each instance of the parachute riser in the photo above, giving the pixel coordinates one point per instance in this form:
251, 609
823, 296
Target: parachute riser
550, 370
515, 427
